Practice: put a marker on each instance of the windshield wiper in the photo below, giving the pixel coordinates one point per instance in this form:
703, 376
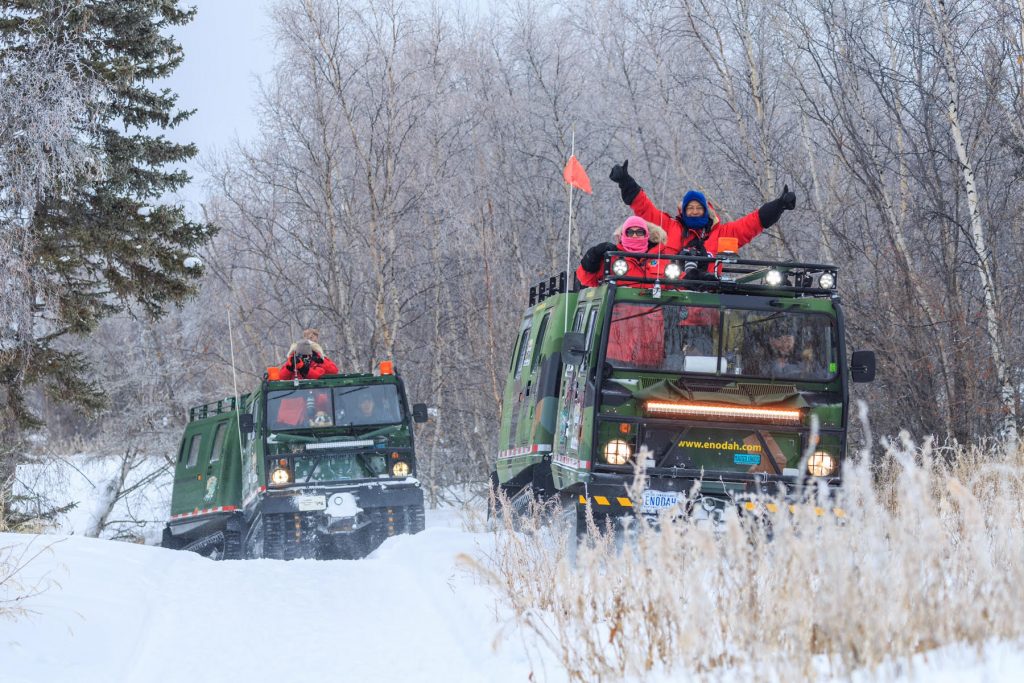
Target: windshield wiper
648, 310
381, 431
277, 437
365, 462
309, 477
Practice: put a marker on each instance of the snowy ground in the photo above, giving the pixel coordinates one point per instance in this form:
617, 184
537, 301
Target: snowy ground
115, 611
124, 612
112, 611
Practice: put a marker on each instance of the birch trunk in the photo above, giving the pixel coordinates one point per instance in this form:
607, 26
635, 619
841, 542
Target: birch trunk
1008, 430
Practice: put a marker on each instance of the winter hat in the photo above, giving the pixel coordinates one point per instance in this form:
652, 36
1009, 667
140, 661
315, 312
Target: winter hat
304, 347
695, 222
635, 244
317, 349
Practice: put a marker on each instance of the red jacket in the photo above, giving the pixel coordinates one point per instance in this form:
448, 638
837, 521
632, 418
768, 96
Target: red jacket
651, 268
743, 229
316, 370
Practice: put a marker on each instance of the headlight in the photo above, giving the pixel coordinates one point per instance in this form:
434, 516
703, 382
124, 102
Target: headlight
620, 267
280, 476
617, 452
821, 464
400, 469
672, 271
773, 278
827, 281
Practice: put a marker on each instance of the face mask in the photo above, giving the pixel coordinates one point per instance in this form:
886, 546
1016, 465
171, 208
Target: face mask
697, 222
634, 244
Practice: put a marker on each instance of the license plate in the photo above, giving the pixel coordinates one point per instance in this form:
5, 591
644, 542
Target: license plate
659, 500
306, 503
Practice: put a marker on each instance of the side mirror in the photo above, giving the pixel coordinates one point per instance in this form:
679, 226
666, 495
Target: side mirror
574, 346
245, 423
419, 412
862, 366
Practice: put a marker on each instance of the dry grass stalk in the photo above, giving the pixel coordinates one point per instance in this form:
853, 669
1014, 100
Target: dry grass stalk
927, 554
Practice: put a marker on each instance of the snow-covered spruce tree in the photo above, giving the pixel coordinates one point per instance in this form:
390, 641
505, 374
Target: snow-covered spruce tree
97, 240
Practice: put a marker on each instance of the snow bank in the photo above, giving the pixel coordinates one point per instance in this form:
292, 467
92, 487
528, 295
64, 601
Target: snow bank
125, 612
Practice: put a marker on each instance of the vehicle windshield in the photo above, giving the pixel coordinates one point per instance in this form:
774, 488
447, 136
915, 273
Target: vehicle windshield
358, 406
734, 342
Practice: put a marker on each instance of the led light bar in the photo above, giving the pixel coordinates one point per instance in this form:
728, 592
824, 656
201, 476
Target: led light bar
337, 444
708, 411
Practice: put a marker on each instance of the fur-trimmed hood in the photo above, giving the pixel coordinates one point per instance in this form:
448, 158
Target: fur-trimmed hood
655, 234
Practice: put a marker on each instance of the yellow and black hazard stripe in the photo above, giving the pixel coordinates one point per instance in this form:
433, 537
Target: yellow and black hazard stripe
607, 501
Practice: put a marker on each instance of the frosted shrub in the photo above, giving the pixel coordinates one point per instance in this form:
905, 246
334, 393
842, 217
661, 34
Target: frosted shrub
927, 553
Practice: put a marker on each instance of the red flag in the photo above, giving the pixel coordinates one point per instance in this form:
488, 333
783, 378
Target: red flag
576, 176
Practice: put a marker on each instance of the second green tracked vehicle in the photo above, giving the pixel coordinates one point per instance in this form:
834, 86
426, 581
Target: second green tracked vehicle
320, 468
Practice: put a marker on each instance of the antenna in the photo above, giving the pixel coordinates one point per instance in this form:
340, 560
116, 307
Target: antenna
234, 379
568, 238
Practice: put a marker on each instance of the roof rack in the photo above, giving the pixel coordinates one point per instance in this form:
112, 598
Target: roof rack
224, 405
734, 275
542, 290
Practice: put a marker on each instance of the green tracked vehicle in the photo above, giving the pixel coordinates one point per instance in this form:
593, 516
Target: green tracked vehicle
740, 383
320, 468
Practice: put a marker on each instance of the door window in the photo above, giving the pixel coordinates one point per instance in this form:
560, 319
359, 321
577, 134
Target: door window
218, 442
193, 450
540, 339
524, 350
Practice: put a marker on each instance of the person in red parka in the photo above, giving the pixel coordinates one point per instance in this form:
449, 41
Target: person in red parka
306, 362
635, 235
696, 225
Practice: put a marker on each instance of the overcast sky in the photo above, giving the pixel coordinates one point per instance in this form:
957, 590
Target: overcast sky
227, 46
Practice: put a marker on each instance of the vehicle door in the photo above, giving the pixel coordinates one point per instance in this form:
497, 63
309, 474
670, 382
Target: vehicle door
216, 481
515, 391
530, 379
189, 484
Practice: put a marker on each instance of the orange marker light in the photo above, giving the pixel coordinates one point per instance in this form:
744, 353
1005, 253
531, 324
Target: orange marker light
273, 374
387, 367
624, 428
728, 245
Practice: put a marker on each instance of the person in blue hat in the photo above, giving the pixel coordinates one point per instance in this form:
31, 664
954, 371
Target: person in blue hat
696, 225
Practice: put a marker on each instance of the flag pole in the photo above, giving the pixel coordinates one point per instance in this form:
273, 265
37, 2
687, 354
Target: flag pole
568, 239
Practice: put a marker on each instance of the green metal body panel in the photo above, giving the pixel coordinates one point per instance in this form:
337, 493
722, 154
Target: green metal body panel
213, 480
530, 399
256, 452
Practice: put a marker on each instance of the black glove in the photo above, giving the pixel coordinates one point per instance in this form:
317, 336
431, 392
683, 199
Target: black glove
701, 274
627, 186
317, 358
591, 260
788, 198
290, 365
771, 211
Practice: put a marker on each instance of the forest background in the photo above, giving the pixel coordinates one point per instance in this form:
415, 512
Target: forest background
405, 191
